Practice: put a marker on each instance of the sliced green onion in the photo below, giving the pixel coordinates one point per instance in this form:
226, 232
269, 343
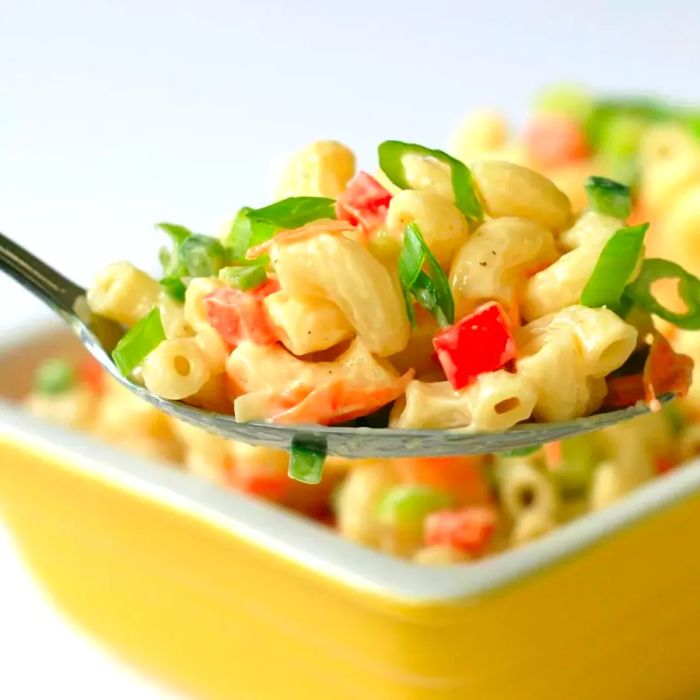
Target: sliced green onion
580, 456
245, 234
170, 259
178, 234
306, 459
521, 451
391, 154
608, 197
654, 269
174, 287
431, 289
406, 506
251, 227
617, 262
677, 422
54, 377
141, 340
566, 100
203, 256
293, 212
243, 277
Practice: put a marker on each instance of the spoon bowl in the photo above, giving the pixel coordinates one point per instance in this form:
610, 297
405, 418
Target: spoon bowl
99, 336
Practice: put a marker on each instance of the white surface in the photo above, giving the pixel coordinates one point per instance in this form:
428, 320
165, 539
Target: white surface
117, 115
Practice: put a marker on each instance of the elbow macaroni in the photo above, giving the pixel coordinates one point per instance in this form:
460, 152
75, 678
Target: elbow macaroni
345, 273
321, 170
508, 189
123, 293
583, 345
493, 262
307, 324
562, 283
176, 369
442, 225
495, 401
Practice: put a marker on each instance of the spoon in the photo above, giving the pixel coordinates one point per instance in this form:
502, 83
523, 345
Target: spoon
99, 335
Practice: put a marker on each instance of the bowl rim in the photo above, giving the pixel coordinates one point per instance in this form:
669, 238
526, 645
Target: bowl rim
315, 547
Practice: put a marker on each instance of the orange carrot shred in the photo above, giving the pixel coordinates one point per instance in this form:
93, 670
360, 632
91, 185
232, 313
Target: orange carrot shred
300, 234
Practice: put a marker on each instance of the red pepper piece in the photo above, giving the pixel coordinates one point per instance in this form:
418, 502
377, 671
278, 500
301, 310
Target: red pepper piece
238, 315
468, 530
553, 141
364, 202
480, 342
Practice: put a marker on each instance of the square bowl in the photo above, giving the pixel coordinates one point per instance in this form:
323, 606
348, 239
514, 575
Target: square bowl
223, 596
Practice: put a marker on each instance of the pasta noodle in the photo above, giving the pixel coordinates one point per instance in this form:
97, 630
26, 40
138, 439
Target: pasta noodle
514, 190
496, 401
443, 226
492, 264
323, 169
123, 293
344, 272
306, 324
176, 369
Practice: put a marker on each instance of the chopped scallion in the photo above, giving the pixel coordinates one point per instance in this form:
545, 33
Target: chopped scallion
174, 287
171, 261
203, 256
521, 451
616, 264
141, 340
243, 277
431, 289
654, 269
54, 377
609, 197
306, 459
391, 154
293, 212
406, 506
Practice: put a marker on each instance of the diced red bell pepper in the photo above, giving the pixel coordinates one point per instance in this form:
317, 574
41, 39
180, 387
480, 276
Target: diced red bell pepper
480, 342
664, 464
468, 530
364, 202
238, 315
665, 371
272, 487
552, 141
92, 374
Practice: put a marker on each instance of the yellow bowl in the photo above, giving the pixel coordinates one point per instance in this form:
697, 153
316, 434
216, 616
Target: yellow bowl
226, 597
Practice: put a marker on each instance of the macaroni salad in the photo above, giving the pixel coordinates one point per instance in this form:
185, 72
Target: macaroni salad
509, 285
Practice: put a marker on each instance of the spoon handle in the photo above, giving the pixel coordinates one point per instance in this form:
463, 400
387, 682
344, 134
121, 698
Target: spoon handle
41, 280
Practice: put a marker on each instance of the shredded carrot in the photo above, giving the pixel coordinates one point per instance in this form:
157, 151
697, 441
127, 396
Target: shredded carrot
553, 454
336, 402
300, 234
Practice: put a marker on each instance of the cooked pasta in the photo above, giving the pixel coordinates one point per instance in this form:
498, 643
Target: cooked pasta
322, 169
441, 223
307, 324
494, 262
176, 369
346, 274
496, 401
123, 293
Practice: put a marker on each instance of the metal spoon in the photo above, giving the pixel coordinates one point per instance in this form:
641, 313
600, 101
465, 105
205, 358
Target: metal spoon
99, 335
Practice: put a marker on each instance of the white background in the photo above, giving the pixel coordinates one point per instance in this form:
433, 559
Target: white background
115, 115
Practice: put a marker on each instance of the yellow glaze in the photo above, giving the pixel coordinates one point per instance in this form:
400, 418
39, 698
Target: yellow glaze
213, 614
